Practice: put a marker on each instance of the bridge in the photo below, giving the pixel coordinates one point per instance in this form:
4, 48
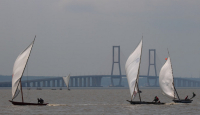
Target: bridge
94, 81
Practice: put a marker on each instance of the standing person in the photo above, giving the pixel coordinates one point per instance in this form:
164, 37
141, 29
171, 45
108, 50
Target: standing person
193, 95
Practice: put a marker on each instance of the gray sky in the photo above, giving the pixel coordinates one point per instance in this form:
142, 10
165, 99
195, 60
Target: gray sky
76, 36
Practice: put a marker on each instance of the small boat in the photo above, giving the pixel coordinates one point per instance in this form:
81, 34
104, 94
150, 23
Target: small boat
166, 81
66, 80
25, 103
18, 70
144, 102
38, 88
132, 68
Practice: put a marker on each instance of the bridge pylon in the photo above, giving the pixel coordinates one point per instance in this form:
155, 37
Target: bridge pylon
152, 63
116, 62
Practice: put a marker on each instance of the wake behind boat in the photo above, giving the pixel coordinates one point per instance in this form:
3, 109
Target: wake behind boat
166, 81
18, 70
132, 68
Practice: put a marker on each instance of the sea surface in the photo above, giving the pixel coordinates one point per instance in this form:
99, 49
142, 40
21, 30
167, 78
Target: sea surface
97, 101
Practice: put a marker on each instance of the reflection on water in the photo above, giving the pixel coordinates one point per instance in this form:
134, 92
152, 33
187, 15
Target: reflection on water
97, 101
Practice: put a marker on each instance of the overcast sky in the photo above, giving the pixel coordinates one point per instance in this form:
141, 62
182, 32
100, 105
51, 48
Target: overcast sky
76, 36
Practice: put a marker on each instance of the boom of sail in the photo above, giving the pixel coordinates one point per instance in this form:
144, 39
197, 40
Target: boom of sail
18, 70
132, 68
166, 79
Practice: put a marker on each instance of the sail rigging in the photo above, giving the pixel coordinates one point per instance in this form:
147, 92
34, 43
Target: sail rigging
18, 69
132, 70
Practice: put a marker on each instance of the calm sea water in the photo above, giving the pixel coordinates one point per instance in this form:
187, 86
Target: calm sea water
96, 101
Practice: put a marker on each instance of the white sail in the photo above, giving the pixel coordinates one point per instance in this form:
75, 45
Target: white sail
18, 69
66, 80
166, 79
132, 69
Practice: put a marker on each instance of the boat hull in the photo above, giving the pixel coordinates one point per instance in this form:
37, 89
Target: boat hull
25, 103
144, 102
183, 101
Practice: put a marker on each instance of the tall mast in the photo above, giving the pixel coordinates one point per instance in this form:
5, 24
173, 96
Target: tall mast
21, 91
139, 70
139, 91
138, 76
173, 80
24, 69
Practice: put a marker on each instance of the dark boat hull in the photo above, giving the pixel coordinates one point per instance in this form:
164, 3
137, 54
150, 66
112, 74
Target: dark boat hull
143, 102
25, 103
183, 101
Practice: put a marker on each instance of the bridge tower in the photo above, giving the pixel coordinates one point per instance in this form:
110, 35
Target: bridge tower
117, 61
152, 63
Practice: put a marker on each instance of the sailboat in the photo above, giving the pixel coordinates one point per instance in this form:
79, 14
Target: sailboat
18, 70
132, 68
166, 81
66, 80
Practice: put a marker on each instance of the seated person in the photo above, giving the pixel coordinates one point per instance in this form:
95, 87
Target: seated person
186, 97
156, 99
40, 101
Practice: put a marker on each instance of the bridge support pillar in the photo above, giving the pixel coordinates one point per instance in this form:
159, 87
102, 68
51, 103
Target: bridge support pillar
38, 84
63, 82
153, 63
43, 83
88, 82
189, 83
48, 83
76, 82
53, 83
179, 83
33, 84
28, 84
184, 83
194, 84
93, 82
80, 81
99, 81
84, 79
116, 61
58, 83
72, 82
198, 84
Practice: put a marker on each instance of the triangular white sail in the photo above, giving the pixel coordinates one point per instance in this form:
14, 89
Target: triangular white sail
166, 79
66, 80
18, 69
132, 69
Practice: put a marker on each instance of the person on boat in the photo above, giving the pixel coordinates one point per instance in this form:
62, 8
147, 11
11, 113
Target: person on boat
156, 99
193, 95
41, 101
186, 97
38, 100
